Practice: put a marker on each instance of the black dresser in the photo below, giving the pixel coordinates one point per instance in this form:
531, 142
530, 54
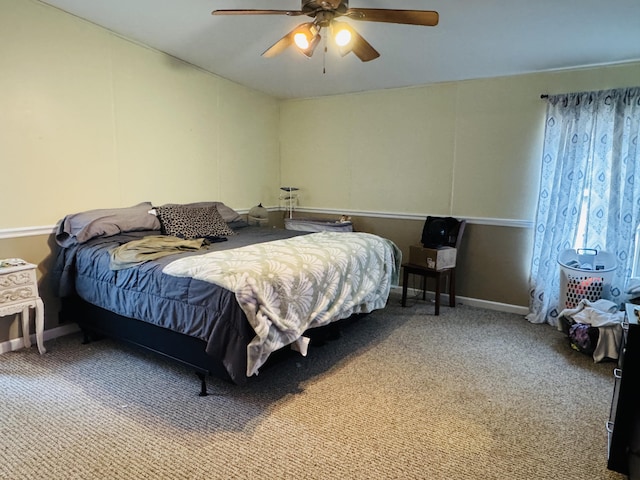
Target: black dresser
623, 426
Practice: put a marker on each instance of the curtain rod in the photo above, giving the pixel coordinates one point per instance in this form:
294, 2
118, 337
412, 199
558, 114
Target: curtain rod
544, 95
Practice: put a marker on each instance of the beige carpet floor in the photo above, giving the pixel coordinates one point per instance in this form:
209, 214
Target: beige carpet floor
470, 394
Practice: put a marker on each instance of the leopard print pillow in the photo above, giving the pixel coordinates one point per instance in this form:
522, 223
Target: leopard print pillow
192, 222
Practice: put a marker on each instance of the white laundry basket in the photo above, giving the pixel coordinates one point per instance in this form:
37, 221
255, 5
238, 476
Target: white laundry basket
584, 273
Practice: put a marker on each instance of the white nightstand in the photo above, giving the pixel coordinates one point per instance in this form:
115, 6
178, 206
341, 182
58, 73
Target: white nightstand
19, 293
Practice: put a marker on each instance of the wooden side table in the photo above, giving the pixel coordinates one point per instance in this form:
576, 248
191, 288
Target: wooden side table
19, 293
409, 268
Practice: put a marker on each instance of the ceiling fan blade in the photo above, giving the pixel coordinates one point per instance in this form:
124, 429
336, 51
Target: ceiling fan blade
363, 49
280, 46
360, 47
257, 12
408, 17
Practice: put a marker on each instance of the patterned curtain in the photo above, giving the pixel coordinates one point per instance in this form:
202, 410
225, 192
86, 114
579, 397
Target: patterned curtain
589, 190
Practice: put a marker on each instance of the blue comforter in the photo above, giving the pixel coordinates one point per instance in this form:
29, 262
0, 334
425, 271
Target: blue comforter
185, 305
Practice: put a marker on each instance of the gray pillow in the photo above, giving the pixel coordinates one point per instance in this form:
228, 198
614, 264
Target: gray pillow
192, 222
83, 226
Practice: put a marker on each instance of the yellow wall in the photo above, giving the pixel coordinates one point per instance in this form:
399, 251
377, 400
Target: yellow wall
470, 149
90, 120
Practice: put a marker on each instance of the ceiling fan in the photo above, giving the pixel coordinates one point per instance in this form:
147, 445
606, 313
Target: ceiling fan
306, 36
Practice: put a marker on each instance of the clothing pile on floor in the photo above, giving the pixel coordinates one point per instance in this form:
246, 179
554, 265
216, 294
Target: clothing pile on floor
594, 328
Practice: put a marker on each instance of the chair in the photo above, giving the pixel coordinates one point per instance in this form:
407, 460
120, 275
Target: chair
457, 227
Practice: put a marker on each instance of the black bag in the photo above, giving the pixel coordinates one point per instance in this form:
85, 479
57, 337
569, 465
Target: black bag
440, 232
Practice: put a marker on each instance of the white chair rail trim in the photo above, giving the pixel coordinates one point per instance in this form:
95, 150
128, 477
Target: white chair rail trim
26, 231
497, 222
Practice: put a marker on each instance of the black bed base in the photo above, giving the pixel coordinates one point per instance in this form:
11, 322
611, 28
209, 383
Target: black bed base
96, 322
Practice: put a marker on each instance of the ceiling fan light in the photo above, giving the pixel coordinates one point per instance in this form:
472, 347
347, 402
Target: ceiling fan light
308, 52
306, 37
301, 40
342, 37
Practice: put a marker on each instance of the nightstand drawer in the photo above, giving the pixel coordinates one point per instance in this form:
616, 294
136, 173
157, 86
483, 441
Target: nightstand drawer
18, 286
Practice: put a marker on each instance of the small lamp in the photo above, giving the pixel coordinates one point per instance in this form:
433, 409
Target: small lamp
258, 215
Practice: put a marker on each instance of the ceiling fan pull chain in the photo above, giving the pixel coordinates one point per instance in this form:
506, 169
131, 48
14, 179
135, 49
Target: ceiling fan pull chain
324, 57
324, 61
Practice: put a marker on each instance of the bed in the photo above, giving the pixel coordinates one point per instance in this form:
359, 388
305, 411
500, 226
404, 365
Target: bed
195, 283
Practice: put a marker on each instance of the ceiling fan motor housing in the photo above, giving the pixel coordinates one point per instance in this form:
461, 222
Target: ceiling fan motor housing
339, 6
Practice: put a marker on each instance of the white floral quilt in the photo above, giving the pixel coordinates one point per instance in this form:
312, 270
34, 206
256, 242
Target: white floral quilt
287, 286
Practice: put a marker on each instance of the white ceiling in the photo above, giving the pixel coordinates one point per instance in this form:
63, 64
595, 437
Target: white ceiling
474, 39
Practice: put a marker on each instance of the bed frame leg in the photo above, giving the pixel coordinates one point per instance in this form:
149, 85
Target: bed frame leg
86, 336
203, 384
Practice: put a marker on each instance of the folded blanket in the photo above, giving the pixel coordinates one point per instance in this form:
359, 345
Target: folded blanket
148, 248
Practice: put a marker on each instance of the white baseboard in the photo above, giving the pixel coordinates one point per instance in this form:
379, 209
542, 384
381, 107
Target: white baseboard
489, 305
18, 343
472, 302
